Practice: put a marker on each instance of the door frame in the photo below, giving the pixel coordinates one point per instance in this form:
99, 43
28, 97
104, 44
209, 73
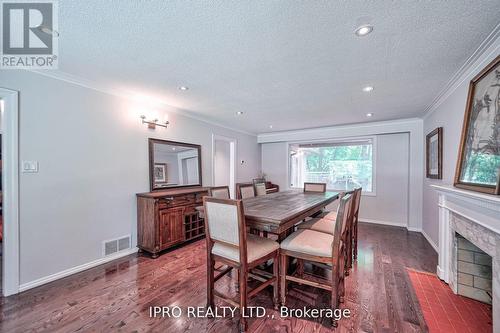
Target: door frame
10, 188
232, 161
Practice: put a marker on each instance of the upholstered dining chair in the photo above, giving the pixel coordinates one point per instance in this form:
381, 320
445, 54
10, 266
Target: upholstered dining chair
246, 190
325, 222
314, 187
258, 181
229, 243
220, 192
260, 189
319, 247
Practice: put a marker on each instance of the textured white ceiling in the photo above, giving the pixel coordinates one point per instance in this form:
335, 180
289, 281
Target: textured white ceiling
292, 64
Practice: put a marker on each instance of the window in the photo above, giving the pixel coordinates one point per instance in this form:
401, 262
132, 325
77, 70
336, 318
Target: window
342, 165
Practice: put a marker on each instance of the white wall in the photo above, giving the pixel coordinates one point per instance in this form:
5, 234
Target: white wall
390, 205
93, 158
448, 112
222, 163
275, 163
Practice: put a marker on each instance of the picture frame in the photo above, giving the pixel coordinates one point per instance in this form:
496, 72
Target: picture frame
160, 173
478, 163
434, 154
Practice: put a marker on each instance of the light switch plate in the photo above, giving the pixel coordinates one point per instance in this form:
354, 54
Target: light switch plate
30, 166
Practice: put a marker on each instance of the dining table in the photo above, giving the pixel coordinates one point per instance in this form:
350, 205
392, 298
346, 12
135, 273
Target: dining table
277, 213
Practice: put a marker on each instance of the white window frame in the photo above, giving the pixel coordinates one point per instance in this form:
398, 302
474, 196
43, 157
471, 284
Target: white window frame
373, 138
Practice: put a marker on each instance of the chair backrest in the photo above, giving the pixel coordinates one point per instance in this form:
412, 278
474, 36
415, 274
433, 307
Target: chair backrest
225, 223
315, 187
246, 191
258, 181
340, 229
260, 189
357, 201
220, 192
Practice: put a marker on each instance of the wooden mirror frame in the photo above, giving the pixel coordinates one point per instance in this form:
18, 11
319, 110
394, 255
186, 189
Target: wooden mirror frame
151, 142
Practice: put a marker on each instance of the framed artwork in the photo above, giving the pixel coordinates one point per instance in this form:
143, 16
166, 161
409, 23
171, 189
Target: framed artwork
434, 154
160, 173
478, 164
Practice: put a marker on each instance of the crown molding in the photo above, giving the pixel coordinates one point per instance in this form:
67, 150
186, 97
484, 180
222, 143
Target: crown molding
79, 81
471, 65
343, 131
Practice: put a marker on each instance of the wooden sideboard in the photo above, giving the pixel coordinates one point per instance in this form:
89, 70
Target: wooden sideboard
168, 218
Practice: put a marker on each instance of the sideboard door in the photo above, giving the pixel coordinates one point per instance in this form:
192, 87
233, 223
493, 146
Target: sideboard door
171, 226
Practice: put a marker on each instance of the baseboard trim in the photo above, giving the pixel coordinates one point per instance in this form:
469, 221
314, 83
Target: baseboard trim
390, 223
74, 270
440, 273
395, 224
431, 242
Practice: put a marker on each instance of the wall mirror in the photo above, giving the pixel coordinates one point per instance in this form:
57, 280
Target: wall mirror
173, 164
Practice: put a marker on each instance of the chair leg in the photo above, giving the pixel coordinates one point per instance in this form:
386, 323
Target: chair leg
283, 269
348, 262
355, 239
210, 284
341, 277
334, 302
243, 275
300, 267
276, 274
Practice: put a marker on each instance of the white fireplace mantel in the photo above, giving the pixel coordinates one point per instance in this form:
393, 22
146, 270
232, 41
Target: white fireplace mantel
483, 209
479, 216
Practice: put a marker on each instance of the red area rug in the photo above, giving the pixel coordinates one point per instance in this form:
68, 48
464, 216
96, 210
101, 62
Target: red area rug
446, 312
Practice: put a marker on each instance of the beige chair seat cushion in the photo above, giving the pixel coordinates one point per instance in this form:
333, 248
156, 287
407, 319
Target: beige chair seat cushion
257, 247
309, 242
319, 224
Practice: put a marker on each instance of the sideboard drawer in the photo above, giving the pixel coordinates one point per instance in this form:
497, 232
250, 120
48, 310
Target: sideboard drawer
176, 201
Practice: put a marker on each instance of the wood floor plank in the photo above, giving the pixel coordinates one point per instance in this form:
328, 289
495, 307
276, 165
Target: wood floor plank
115, 297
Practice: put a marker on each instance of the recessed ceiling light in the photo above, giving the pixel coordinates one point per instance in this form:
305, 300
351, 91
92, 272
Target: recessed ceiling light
270, 126
183, 88
363, 30
367, 88
369, 115
239, 113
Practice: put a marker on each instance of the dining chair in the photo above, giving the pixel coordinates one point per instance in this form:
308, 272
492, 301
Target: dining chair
319, 247
258, 181
220, 192
326, 224
315, 187
229, 243
355, 217
245, 191
260, 189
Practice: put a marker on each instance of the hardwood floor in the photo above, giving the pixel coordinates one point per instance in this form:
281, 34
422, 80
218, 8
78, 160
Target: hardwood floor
117, 296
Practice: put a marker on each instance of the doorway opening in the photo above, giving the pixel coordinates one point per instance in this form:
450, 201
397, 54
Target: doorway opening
224, 162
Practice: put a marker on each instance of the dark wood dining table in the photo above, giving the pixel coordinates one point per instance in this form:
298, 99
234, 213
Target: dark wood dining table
277, 213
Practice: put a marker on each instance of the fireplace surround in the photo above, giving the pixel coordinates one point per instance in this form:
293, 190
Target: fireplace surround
475, 217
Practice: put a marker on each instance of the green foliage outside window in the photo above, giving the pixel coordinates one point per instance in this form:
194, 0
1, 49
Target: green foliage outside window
341, 167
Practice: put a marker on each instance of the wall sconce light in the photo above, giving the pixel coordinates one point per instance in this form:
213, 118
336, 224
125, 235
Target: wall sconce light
153, 123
